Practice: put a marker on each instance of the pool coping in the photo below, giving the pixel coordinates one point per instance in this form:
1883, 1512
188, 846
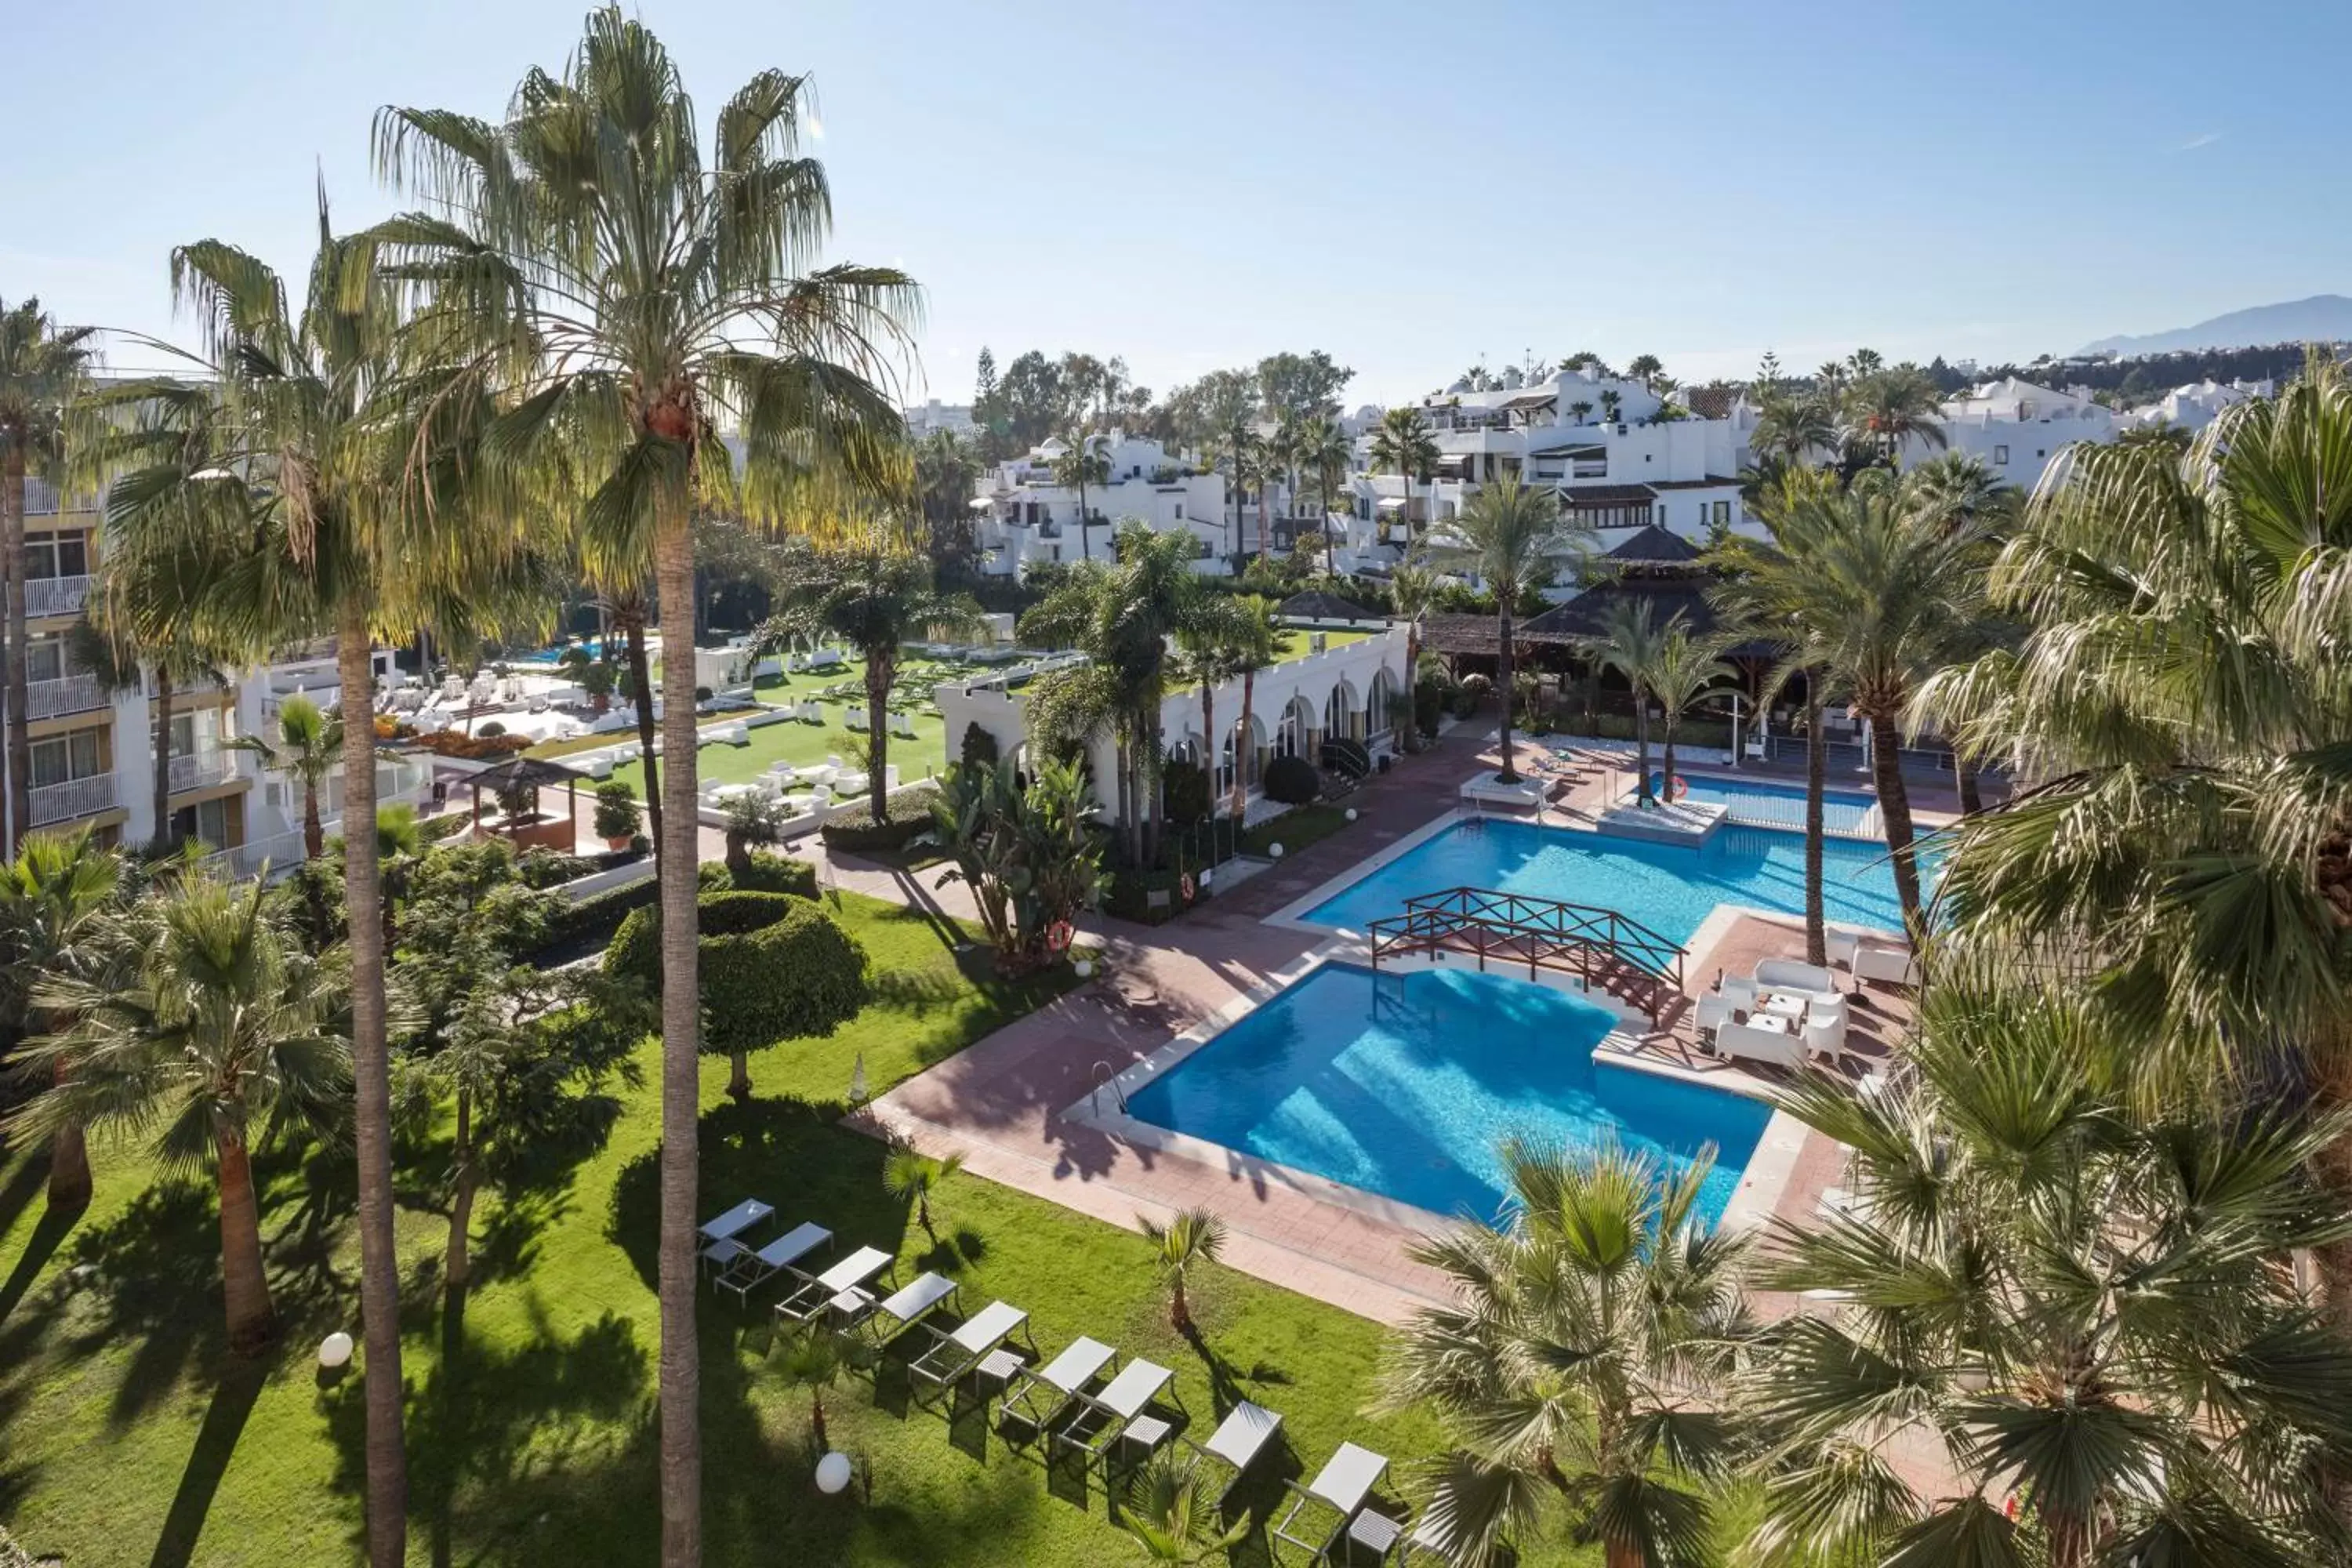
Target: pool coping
1762, 1179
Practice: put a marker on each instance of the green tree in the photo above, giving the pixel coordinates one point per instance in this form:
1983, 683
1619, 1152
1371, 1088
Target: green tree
634, 291
945, 472
876, 596
1084, 460
209, 1031
1231, 399
306, 750
43, 369
1189, 1238
1646, 369
1631, 643
1506, 537
1208, 651
914, 1178
1581, 1364
2065, 1285
58, 910
1402, 445
1889, 407
1324, 451
1255, 639
1172, 1516
1031, 857
1686, 668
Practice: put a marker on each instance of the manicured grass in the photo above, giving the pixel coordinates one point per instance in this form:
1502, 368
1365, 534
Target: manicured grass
132, 1437
1294, 830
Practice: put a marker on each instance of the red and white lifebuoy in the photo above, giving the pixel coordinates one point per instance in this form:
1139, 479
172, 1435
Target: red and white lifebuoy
1058, 935
1184, 885
1677, 786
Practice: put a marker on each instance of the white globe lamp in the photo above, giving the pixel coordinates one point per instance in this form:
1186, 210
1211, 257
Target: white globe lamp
832, 1473
335, 1350
1086, 968
1351, 814
1274, 851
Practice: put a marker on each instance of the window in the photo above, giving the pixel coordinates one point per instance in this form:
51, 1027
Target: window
60, 759
2000, 456
1723, 513
1180, 512
64, 553
2040, 452
45, 656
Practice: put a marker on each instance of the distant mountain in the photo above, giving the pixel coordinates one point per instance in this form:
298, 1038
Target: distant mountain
2323, 318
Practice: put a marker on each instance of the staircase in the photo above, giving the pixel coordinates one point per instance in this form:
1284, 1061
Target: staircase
1344, 764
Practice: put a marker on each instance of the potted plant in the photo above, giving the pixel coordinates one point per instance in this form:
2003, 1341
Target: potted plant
617, 814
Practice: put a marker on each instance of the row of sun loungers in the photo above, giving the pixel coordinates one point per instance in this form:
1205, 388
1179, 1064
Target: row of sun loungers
1083, 1400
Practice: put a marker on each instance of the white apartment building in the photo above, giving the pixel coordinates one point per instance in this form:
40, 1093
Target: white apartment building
2196, 405
923, 418
93, 749
2015, 427
1024, 517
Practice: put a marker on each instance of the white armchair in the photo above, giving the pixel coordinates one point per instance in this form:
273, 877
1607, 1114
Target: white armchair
1753, 1042
1893, 965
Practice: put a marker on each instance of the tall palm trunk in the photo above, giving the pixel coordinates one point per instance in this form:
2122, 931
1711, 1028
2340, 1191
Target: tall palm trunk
12, 563
1666, 756
244, 1287
69, 1179
1817, 768
1244, 752
164, 835
1964, 773
881, 669
641, 683
1237, 490
1265, 529
681, 1370
314, 832
387, 1463
455, 1268
1504, 676
1894, 810
1641, 745
1209, 735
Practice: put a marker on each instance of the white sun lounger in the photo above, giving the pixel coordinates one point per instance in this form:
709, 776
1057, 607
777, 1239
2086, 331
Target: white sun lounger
1343, 1484
953, 1356
1247, 1431
720, 1249
1040, 1396
753, 1269
1118, 1409
815, 1293
894, 1315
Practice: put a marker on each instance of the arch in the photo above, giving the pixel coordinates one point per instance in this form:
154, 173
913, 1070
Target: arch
1297, 733
1252, 764
1380, 705
1343, 712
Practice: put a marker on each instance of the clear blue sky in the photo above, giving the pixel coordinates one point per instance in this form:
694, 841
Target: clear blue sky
1411, 187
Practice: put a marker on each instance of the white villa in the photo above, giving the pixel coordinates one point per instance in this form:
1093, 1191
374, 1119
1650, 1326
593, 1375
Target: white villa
2196, 405
2015, 427
1024, 517
1353, 690
923, 418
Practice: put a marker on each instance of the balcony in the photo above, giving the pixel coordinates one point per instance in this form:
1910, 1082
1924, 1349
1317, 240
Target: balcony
55, 595
74, 799
201, 769
55, 699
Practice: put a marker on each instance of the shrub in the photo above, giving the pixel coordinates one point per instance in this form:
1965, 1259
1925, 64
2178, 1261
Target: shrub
767, 873
492, 731
602, 914
702, 694
1292, 781
979, 748
1185, 788
544, 867
854, 828
802, 974
636, 950
617, 812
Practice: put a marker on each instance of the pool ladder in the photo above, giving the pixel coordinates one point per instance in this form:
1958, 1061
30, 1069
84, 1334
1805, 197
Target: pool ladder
1102, 1076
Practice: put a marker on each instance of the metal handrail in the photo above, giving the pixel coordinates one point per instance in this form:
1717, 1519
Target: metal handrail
1538, 933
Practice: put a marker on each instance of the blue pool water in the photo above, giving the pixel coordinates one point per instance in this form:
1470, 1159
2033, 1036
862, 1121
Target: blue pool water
1405, 1084
1776, 804
1667, 887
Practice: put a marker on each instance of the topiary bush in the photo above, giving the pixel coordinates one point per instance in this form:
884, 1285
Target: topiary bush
636, 950
854, 828
767, 873
979, 748
1292, 781
799, 975
1185, 788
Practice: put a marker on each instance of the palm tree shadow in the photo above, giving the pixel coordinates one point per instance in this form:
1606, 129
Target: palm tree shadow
48, 1233
27, 1177
216, 1441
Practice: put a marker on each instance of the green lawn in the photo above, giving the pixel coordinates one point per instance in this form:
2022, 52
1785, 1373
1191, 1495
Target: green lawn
131, 1435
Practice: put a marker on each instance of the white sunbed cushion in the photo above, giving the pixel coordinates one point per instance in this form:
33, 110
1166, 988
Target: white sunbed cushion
855, 1269
1077, 1365
927, 1292
988, 1326
1349, 1477
1132, 1389
743, 1216
793, 1246
1243, 1432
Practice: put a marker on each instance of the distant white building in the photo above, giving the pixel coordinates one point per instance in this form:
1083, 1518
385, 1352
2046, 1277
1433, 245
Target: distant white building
1022, 516
2196, 405
2014, 427
925, 417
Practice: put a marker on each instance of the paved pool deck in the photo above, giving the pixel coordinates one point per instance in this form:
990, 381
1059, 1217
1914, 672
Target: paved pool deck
999, 1102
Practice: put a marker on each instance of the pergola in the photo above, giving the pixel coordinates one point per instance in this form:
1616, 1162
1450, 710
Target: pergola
532, 773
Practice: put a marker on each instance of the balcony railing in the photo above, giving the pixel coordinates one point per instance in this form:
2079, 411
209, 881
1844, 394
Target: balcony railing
74, 797
55, 595
201, 769
55, 699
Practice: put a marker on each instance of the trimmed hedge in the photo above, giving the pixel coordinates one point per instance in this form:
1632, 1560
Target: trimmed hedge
602, 914
801, 976
769, 873
1292, 781
852, 828
636, 949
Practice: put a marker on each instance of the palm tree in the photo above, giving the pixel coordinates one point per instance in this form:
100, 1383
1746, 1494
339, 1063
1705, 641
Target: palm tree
2176, 711
1892, 406
1207, 652
1686, 667
1631, 644
912, 1177
1172, 1516
1190, 1237
1402, 443
1646, 369
1412, 589
216, 1033
1580, 1364
58, 901
2047, 1264
308, 746
876, 595
945, 470
1581, 410
635, 295
1084, 460
43, 369
629, 612
813, 1361
1256, 644
1232, 400
1325, 449
1792, 426
1507, 536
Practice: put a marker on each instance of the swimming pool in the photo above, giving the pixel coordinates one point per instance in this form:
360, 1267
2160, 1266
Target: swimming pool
1670, 887
1404, 1085
1761, 805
